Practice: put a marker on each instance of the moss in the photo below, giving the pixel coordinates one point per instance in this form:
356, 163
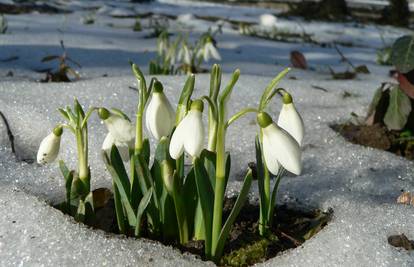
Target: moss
248, 255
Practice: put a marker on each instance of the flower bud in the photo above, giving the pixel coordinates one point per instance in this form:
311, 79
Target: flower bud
49, 147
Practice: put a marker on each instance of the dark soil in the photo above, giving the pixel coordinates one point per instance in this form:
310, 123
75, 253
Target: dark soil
245, 246
377, 136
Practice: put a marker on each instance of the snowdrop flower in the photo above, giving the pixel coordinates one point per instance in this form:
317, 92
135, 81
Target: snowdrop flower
49, 147
209, 51
160, 116
184, 55
123, 148
189, 134
120, 128
279, 147
162, 43
290, 120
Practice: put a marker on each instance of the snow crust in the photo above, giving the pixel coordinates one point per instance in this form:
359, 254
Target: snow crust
360, 184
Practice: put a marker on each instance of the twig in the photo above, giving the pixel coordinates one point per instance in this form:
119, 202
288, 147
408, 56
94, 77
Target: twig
343, 58
320, 88
294, 240
133, 88
9, 132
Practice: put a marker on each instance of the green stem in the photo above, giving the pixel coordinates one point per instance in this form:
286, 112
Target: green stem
219, 188
82, 159
239, 115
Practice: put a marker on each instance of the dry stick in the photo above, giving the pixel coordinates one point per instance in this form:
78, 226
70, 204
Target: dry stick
295, 241
319, 88
9, 132
343, 58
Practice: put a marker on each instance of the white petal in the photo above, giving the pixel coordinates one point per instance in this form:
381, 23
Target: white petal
187, 56
121, 129
283, 147
159, 116
123, 148
206, 53
291, 121
194, 136
270, 156
48, 149
177, 140
213, 51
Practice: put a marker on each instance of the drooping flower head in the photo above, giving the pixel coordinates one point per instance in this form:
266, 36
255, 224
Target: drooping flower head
209, 50
279, 147
120, 127
189, 134
123, 148
290, 120
159, 116
49, 147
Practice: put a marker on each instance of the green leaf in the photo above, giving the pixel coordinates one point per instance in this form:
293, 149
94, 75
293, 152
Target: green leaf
190, 192
402, 55
234, 213
206, 195
78, 109
260, 168
229, 88
141, 209
146, 150
118, 165
209, 159
122, 185
272, 203
119, 210
375, 100
185, 98
215, 82
140, 77
398, 110
64, 113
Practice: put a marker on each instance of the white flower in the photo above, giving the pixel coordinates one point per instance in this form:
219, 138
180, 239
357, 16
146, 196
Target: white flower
49, 147
291, 121
279, 147
123, 148
159, 116
120, 128
184, 55
208, 51
189, 134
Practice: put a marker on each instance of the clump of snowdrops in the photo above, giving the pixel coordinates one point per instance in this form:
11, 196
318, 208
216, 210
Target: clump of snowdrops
181, 56
160, 196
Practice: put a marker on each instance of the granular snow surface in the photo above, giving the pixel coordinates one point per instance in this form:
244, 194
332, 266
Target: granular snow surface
359, 184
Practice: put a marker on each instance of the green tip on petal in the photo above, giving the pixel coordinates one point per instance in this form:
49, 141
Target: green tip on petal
197, 105
264, 119
287, 98
158, 88
103, 113
58, 130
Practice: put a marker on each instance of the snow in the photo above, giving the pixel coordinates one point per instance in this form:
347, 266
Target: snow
360, 184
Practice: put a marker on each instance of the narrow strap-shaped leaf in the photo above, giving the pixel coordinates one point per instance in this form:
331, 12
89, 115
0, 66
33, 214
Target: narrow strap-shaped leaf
146, 150
206, 195
64, 113
228, 167
260, 179
123, 192
272, 203
141, 209
209, 159
119, 210
120, 113
184, 98
190, 193
234, 212
398, 109
64, 169
229, 88
118, 165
